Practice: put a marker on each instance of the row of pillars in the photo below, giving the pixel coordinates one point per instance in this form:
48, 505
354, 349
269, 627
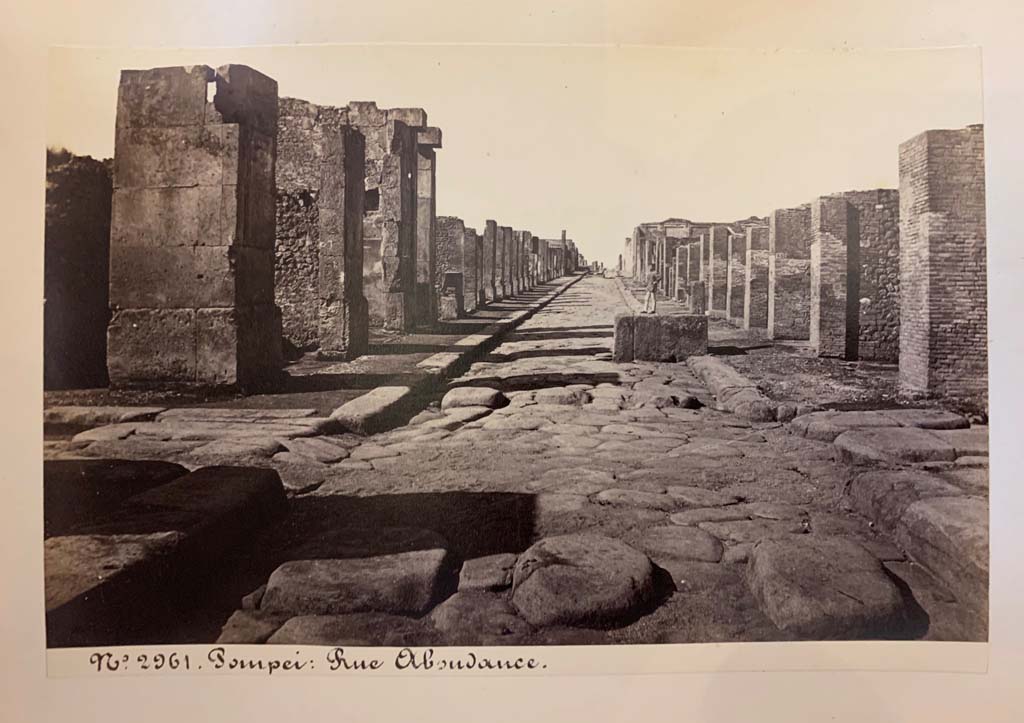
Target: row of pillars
885, 275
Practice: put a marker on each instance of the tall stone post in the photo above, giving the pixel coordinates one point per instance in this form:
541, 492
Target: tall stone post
428, 140
835, 278
718, 261
473, 255
318, 280
736, 277
755, 286
943, 286
192, 229
490, 261
789, 273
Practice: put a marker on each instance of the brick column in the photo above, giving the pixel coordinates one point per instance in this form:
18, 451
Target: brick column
490, 260
736, 281
718, 248
789, 273
428, 140
835, 278
943, 287
502, 261
192, 229
319, 247
755, 287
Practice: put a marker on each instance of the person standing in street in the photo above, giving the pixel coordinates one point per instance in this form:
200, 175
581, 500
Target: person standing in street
651, 301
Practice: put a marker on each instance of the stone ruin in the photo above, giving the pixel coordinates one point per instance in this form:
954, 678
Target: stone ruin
192, 229
755, 281
789, 273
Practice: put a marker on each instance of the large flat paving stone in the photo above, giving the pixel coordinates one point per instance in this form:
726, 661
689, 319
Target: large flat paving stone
81, 490
81, 416
893, 445
827, 425
971, 442
823, 588
949, 536
406, 582
474, 397
687, 543
927, 418
883, 496
355, 629
478, 618
581, 580
492, 572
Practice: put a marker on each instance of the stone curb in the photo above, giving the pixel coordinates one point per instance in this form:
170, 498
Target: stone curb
631, 301
733, 391
374, 411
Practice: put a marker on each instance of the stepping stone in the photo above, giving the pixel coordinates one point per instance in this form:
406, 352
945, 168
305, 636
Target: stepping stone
106, 433
688, 543
949, 536
971, 442
475, 617
637, 498
581, 580
316, 448
700, 497
356, 629
466, 414
883, 496
824, 588
826, 426
493, 572
927, 418
249, 627
893, 445
368, 451
407, 582
474, 397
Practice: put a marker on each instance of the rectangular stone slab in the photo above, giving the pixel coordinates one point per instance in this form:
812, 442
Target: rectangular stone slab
657, 337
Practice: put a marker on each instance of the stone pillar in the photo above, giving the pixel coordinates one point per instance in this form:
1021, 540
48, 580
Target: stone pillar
503, 246
680, 284
473, 255
789, 273
318, 280
698, 298
456, 255
943, 288
428, 140
524, 261
835, 278
718, 259
703, 257
192, 230
755, 287
736, 277
693, 263
76, 272
490, 247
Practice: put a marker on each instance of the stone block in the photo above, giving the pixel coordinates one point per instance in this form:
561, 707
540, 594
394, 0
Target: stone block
173, 96
151, 345
657, 337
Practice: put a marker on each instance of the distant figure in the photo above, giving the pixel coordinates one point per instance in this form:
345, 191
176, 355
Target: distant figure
651, 301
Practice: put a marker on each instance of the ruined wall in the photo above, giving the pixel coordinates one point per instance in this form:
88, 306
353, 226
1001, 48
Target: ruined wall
943, 286
878, 219
428, 140
835, 278
755, 291
192, 229
490, 248
737, 277
76, 271
789, 282
319, 178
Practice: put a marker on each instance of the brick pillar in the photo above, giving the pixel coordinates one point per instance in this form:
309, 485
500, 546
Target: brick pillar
428, 140
789, 273
943, 316
503, 247
192, 229
755, 287
736, 281
517, 243
319, 246
718, 247
524, 257
490, 260
473, 257
835, 278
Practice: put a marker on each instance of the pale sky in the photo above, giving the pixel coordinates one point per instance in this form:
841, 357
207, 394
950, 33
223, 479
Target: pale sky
597, 139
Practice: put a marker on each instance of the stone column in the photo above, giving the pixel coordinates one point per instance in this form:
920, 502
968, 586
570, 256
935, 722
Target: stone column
490, 247
698, 298
717, 281
501, 259
755, 287
428, 140
835, 278
192, 229
943, 287
789, 273
456, 255
318, 280
736, 281
473, 255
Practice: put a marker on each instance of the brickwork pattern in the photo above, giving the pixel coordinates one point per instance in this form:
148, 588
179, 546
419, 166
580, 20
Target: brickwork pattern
736, 277
789, 283
835, 278
718, 263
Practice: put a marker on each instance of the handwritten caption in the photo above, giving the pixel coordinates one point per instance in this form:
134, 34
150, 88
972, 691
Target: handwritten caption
335, 660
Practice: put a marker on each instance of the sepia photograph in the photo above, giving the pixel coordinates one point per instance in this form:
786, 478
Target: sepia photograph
422, 346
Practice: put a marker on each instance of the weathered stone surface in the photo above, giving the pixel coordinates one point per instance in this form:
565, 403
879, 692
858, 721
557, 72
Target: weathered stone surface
700, 497
660, 337
317, 449
949, 536
902, 444
299, 474
971, 442
106, 433
475, 617
581, 580
673, 541
364, 414
751, 530
638, 498
248, 627
474, 397
466, 414
407, 582
733, 391
356, 629
927, 418
884, 495
72, 415
824, 588
561, 395
368, 451
493, 572
826, 426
